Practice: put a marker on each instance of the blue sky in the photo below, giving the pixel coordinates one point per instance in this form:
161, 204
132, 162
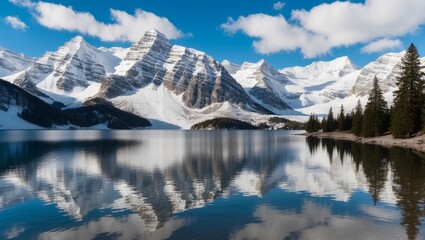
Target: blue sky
285, 33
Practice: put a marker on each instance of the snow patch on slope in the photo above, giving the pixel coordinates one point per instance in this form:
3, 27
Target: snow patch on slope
12, 63
158, 103
10, 120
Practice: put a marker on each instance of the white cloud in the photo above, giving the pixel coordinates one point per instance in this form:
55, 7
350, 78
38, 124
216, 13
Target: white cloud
23, 3
278, 5
327, 26
276, 34
126, 27
16, 23
382, 45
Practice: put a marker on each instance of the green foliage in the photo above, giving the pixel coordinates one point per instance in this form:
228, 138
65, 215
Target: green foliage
263, 126
289, 124
356, 127
409, 98
114, 118
278, 120
348, 121
341, 119
313, 124
224, 123
323, 123
375, 119
35, 118
330, 123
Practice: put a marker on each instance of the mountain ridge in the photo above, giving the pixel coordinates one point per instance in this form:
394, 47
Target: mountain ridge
182, 86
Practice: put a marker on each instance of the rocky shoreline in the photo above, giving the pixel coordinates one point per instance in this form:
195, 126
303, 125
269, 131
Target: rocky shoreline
416, 143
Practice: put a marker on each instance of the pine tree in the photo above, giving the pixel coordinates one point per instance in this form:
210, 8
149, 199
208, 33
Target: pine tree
316, 123
356, 128
341, 119
409, 98
330, 124
375, 121
323, 124
348, 121
313, 124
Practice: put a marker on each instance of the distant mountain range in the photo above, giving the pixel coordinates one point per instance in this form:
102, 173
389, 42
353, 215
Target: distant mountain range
174, 86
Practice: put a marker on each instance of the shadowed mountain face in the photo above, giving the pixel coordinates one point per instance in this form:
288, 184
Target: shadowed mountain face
176, 184
16, 103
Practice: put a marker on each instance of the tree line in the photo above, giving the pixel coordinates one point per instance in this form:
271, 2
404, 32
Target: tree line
403, 119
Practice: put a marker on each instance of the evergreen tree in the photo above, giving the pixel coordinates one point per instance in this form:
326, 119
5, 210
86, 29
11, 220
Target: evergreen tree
348, 121
409, 98
323, 124
313, 124
330, 124
356, 128
375, 121
341, 119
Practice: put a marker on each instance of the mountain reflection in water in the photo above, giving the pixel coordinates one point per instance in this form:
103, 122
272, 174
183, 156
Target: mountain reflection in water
209, 185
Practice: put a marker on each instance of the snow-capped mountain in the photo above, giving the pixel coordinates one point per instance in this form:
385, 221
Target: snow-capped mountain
20, 109
320, 72
356, 85
175, 84
321, 81
72, 73
232, 68
197, 76
153, 78
11, 63
181, 86
385, 68
263, 83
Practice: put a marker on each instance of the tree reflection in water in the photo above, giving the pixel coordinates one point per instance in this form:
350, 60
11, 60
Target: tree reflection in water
154, 185
407, 171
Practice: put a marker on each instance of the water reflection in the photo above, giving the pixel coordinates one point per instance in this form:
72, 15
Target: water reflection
393, 175
182, 185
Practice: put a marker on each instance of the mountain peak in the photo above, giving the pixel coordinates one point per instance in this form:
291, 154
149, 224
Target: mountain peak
263, 63
77, 40
153, 31
231, 68
152, 41
152, 35
343, 62
224, 62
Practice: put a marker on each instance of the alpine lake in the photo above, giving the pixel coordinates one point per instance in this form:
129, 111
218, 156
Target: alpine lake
152, 184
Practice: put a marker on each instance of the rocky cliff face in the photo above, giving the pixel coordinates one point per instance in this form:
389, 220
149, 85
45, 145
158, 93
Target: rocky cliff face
196, 76
75, 64
385, 68
73, 68
264, 83
232, 68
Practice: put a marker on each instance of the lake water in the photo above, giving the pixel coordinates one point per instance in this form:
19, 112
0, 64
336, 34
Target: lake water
205, 185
